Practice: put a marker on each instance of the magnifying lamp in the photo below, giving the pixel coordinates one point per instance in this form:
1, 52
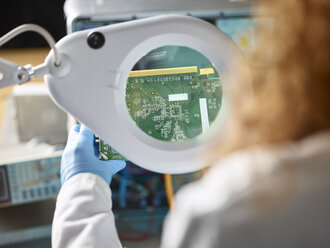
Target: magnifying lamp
155, 89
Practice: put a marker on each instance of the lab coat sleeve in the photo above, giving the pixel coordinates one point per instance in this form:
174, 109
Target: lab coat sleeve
83, 216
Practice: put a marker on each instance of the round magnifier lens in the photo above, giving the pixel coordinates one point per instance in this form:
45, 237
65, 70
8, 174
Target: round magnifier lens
174, 93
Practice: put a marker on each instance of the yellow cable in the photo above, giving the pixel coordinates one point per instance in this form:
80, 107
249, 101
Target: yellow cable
169, 190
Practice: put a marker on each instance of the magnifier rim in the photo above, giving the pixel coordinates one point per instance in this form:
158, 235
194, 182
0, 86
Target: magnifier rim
143, 48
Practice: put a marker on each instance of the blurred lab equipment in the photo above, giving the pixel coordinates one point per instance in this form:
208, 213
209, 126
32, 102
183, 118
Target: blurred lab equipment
136, 181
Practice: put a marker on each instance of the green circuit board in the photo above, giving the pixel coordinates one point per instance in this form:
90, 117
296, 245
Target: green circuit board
174, 104
108, 153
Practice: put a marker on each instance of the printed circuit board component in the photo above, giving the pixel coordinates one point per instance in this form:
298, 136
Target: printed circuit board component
172, 104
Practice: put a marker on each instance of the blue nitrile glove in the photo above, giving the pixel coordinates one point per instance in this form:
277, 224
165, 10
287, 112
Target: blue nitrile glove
79, 157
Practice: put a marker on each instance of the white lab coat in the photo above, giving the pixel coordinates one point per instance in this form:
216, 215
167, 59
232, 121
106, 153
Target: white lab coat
276, 197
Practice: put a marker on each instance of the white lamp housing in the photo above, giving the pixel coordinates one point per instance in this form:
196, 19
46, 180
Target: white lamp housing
91, 82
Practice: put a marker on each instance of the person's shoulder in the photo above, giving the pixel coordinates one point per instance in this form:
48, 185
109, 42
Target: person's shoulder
244, 184
236, 174
224, 182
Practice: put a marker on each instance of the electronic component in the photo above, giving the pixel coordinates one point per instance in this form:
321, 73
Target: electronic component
29, 180
106, 152
173, 104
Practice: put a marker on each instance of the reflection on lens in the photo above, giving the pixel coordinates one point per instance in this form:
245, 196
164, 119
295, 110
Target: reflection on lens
173, 93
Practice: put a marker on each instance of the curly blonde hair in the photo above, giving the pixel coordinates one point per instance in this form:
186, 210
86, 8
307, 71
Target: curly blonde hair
291, 95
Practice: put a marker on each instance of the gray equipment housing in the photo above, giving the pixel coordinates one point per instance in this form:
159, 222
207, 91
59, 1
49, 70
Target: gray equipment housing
82, 14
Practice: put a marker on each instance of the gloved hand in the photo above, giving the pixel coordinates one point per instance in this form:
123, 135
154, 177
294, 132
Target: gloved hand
79, 157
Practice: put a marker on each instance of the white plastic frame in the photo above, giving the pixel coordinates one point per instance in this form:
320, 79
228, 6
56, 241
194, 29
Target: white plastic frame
90, 84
